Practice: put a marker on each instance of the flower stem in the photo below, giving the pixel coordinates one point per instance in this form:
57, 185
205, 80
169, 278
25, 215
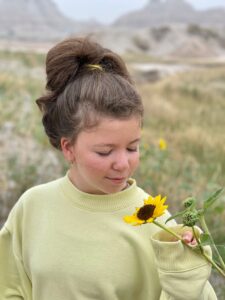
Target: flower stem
206, 256
197, 240
206, 230
209, 259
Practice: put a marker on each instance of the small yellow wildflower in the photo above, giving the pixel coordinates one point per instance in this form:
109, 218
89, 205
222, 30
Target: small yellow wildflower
162, 144
153, 208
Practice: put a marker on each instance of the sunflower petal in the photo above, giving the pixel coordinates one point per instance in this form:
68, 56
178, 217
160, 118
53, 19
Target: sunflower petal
163, 200
129, 219
158, 198
150, 220
149, 200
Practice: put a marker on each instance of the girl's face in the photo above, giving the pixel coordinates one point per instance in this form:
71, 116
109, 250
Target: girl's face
105, 156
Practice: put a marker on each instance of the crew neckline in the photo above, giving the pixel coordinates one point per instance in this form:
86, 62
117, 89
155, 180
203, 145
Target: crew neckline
106, 202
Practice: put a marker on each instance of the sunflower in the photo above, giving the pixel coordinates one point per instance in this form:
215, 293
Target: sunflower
153, 208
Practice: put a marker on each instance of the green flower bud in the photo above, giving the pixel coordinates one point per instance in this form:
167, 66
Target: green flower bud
190, 218
189, 202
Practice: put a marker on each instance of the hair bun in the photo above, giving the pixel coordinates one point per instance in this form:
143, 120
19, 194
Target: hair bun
66, 58
69, 57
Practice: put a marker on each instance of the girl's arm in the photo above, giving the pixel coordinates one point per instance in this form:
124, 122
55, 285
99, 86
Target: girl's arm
10, 283
14, 281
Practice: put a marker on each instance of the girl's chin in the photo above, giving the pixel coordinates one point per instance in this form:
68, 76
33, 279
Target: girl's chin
116, 187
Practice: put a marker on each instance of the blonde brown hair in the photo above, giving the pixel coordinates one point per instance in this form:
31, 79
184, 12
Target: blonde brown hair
78, 94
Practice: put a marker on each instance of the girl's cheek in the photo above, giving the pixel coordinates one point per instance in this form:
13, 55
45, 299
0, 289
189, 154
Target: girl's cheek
137, 159
98, 163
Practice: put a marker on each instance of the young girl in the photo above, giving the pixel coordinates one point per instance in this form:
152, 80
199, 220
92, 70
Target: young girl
66, 240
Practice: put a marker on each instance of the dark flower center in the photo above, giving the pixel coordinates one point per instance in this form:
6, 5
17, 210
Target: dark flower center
146, 212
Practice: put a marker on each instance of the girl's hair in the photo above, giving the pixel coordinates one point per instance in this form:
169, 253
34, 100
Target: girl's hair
84, 82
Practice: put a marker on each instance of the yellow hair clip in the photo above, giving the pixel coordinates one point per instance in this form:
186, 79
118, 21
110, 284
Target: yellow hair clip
95, 67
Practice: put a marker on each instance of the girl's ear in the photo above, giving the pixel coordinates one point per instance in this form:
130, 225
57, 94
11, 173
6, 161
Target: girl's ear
67, 149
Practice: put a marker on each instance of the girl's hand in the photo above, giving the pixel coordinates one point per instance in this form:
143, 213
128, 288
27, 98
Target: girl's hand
189, 239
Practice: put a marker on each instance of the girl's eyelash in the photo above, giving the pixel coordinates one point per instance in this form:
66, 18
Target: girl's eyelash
103, 153
107, 153
132, 150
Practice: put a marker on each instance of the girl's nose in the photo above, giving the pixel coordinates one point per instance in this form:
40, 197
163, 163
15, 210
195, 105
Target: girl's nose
121, 162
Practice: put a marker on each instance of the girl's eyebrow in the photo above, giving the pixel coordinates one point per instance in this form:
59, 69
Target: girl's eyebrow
112, 145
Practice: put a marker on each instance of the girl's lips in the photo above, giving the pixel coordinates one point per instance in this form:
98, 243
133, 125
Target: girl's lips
117, 179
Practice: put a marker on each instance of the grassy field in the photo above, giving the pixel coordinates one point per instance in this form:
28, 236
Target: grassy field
186, 110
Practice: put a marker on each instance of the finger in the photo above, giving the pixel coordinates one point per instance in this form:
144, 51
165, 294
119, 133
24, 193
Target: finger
187, 237
193, 242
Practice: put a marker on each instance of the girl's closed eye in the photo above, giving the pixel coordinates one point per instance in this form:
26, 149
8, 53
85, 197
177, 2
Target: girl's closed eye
103, 153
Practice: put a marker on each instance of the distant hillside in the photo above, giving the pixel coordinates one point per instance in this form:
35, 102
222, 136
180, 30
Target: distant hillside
190, 41
36, 20
168, 28
159, 12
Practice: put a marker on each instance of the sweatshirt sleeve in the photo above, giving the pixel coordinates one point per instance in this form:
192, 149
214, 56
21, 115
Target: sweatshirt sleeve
14, 281
183, 273
10, 285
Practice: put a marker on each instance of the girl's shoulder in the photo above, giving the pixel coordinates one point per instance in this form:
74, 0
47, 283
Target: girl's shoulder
33, 199
40, 190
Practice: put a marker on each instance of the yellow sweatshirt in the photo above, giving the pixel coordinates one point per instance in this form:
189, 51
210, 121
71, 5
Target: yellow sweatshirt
62, 244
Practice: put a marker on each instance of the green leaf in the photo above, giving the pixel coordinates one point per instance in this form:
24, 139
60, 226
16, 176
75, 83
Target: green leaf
208, 202
205, 239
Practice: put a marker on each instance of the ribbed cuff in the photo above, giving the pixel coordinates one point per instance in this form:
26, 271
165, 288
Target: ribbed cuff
175, 256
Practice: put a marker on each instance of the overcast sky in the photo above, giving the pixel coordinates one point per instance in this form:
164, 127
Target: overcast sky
106, 11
